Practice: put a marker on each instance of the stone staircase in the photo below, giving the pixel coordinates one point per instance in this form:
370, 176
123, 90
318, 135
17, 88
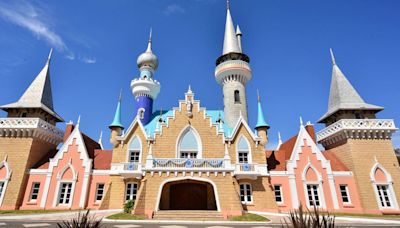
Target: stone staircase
188, 215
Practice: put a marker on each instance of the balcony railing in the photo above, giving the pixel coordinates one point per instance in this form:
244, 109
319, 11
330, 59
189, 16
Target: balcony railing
188, 163
356, 124
245, 167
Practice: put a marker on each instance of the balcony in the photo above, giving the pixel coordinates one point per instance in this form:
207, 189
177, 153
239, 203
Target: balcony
187, 164
356, 129
249, 171
127, 169
30, 127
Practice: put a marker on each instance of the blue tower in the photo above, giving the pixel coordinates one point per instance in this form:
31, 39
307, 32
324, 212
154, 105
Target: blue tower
145, 89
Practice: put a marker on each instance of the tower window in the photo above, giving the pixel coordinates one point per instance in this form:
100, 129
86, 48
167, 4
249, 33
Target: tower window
24, 114
141, 113
237, 96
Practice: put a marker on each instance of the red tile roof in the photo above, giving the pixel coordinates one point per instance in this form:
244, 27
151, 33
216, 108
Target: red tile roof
336, 163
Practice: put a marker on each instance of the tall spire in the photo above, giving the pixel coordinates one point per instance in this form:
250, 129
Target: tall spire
230, 40
260, 118
149, 43
38, 94
117, 117
343, 96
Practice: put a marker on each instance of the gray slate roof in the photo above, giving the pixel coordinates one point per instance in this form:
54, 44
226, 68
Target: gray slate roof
343, 96
230, 39
38, 94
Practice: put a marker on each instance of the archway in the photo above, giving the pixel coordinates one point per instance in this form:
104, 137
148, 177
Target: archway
188, 194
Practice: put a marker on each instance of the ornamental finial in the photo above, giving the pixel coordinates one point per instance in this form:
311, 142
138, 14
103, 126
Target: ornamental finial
258, 96
301, 122
49, 58
332, 57
228, 5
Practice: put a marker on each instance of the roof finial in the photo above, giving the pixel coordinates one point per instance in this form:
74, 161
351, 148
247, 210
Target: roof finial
189, 89
150, 40
78, 122
100, 142
279, 141
301, 122
49, 58
258, 96
332, 57
120, 95
228, 5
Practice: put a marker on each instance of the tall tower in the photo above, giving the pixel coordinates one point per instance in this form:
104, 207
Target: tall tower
232, 73
27, 135
145, 88
362, 142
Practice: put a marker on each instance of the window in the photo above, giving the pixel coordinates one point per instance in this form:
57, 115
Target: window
64, 196
344, 191
243, 151
246, 193
278, 193
188, 145
312, 192
237, 96
99, 192
141, 113
35, 191
134, 150
24, 114
384, 195
1, 188
131, 189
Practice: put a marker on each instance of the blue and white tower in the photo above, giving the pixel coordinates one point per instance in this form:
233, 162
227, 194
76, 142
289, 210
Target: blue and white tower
145, 88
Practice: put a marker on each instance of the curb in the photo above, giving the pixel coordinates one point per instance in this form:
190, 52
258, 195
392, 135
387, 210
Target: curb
182, 222
45, 215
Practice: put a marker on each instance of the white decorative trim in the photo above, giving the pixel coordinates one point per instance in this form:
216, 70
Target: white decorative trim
183, 132
4, 163
188, 178
250, 157
240, 121
389, 183
128, 153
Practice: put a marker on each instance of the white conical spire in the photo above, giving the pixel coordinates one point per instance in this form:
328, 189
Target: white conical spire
149, 43
38, 94
230, 40
343, 96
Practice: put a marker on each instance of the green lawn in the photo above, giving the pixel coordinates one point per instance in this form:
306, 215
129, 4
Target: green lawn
366, 215
4, 212
125, 216
250, 217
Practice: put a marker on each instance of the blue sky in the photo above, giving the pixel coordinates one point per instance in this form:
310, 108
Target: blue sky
97, 42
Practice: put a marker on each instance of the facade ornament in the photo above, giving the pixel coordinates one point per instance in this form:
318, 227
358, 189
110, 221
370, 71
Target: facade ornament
189, 108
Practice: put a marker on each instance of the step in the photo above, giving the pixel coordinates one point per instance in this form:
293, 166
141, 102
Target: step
188, 215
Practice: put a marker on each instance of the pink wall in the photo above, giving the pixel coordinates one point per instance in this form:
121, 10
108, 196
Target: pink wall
94, 180
286, 205
27, 204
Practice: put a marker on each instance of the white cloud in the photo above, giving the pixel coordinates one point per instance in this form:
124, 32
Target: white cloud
174, 9
29, 17
88, 60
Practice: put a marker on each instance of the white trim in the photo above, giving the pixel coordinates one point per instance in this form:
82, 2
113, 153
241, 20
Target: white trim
249, 155
240, 121
281, 192
188, 178
31, 192
128, 153
183, 132
58, 194
137, 189
347, 193
293, 191
96, 193
246, 202
37, 171
389, 183
4, 163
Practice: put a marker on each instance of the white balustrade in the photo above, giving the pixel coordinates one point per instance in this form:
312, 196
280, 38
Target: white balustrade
189, 163
356, 124
244, 167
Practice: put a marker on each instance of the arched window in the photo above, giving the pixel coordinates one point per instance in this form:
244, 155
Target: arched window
383, 186
188, 145
135, 148
237, 96
141, 113
243, 151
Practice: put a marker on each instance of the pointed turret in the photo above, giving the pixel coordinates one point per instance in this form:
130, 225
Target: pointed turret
230, 41
38, 96
344, 97
233, 72
116, 126
262, 126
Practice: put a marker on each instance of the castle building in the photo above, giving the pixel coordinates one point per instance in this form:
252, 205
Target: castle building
192, 162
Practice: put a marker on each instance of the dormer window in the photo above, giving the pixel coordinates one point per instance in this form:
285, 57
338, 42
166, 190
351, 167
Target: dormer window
134, 150
188, 145
243, 151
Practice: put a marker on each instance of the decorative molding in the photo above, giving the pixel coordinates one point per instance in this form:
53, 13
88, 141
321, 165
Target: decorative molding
356, 129
30, 127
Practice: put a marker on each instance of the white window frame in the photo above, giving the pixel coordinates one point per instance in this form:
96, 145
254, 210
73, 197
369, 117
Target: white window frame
179, 151
388, 182
32, 193
133, 191
347, 193
71, 183
97, 192
246, 187
313, 195
248, 151
5, 181
128, 155
280, 192
381, 196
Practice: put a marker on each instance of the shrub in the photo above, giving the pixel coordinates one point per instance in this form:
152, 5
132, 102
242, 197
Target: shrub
303, 219
82, 221
128, 206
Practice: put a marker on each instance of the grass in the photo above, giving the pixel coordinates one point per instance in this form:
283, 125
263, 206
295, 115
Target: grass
125, 216
250, 217
5, 212
366, 215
